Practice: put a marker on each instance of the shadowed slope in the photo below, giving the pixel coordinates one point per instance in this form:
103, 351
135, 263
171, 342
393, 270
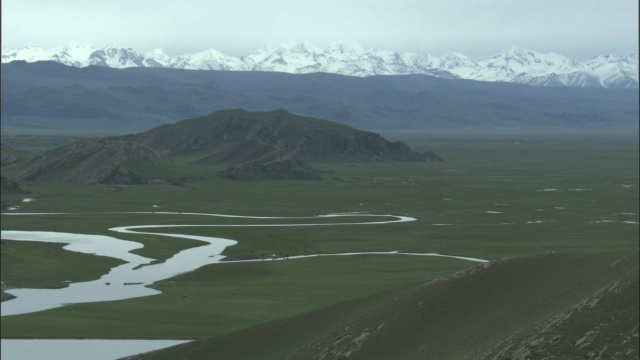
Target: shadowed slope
46, 97
459, 317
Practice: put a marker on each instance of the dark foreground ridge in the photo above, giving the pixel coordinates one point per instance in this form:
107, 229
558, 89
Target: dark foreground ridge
554, 306
233, 143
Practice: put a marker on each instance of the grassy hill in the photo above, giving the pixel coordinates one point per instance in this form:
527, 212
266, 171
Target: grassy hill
569, 306
233, 136
10, 157
233, 143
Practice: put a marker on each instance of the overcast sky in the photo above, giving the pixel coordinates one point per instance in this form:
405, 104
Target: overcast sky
579, 29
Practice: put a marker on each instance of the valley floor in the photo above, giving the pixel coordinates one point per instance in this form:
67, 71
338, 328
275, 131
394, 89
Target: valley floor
558, 203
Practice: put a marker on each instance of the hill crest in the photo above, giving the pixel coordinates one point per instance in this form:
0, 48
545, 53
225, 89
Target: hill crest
276, 133
235, 144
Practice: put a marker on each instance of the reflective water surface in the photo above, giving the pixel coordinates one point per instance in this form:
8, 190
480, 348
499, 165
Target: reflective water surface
73, 349
130, 279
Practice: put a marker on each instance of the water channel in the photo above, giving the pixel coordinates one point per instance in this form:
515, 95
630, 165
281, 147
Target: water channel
130, 280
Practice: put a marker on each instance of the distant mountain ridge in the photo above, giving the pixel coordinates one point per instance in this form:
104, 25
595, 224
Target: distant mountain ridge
515, 64
50, 96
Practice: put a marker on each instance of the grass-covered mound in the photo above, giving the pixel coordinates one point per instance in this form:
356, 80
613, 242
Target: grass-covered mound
558, 305
235, 143
237, 136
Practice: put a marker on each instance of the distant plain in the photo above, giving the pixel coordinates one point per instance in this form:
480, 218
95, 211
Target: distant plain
498, 193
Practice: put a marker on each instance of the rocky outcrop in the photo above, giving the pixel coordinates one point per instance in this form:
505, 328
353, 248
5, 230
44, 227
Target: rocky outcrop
6, 158
285, 167
91, 161
10, 186
545, 306
431, 157
601, 326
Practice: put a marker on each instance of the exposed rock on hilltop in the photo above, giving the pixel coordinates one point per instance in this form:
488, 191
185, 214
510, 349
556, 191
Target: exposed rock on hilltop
6, 158
599, 327
92, 161
10, 186
286, 167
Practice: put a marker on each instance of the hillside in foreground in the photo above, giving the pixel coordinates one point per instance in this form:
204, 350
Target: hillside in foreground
568, 306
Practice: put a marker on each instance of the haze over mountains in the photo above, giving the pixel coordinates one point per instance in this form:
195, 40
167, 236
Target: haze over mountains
515, 64
47, 96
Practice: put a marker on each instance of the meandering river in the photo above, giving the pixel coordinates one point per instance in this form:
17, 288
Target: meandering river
131, 280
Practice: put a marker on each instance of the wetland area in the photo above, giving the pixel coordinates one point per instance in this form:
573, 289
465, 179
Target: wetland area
497, 194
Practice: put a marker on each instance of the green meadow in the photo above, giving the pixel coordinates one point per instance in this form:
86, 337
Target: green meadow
497, 194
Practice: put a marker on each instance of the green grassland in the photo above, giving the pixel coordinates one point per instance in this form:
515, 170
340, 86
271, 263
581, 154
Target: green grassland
482, 313
502, 194
38, 265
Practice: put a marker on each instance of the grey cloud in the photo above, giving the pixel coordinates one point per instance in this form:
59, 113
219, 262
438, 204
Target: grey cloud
478, 28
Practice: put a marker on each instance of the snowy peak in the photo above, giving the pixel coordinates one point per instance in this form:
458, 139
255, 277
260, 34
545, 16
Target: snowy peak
344, 50
298, 47
525, 60
514, 64
28, 54
117, 57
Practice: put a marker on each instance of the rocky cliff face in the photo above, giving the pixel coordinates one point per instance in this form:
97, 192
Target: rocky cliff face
285, 167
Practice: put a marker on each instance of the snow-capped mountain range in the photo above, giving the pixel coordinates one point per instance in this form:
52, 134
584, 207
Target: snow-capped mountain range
515, 64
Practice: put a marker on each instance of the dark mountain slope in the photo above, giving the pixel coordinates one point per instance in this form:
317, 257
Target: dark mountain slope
472, 313
283, 167
46, 95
